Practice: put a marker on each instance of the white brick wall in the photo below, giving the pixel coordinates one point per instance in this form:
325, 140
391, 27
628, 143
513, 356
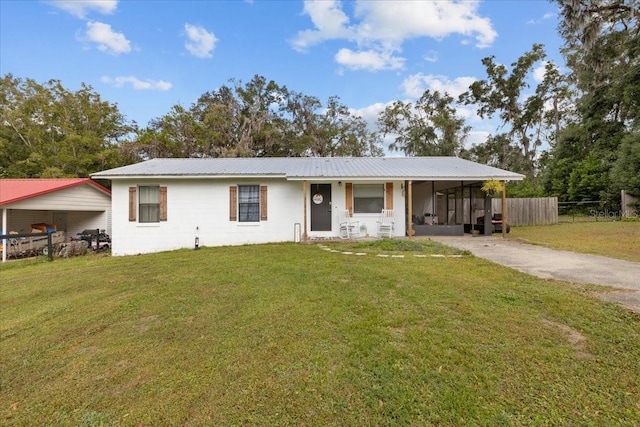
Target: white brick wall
204, 204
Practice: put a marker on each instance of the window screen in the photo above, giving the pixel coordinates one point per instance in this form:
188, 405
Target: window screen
368, 198
149, 208
248, 203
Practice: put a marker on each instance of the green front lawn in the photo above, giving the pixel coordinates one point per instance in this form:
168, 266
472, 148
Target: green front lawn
292, 334
613, 239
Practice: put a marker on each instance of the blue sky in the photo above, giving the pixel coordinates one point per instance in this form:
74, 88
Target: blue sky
147, 56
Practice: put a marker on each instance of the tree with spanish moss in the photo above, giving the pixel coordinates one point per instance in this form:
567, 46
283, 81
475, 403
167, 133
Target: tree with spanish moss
602, 49
428, 127
47, 130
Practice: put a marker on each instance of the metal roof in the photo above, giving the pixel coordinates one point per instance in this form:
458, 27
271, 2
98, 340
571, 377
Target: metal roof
13, 190
299, 168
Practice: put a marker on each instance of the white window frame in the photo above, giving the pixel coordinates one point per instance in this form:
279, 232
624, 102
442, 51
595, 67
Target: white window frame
145, 214
365, 199
251, 213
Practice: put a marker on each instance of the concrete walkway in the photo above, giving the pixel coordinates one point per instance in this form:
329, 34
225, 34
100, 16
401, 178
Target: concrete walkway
561, 265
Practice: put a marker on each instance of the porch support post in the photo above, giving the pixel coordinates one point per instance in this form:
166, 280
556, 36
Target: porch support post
487, 215
410, 205
5, 231
504, 209
471, 206
461, 207
434, 203
305, 236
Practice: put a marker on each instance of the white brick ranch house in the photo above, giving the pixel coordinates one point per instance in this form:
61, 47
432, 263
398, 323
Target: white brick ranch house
165, 204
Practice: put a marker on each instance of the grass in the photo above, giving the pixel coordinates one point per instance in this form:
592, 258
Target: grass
417, 246
613, 239
288, 334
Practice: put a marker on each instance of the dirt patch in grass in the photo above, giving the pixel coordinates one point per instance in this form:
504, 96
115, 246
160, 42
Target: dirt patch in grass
573, 336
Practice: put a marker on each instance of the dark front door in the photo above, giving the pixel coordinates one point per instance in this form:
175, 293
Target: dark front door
320, 207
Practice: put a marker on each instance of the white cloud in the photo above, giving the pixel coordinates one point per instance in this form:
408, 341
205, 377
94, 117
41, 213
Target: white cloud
546, 16
431, 56
407, 19
476, 137
368, 60
384, 26
136, 83
200, 42
415, 85
80, 8
330, 22
107, 40
538, 72
470, 114
413, 18
370, 114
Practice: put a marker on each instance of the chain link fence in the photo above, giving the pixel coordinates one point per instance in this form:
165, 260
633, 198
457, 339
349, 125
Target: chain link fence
592, 211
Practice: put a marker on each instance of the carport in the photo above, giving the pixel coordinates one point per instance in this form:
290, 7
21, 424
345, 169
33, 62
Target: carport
70, 204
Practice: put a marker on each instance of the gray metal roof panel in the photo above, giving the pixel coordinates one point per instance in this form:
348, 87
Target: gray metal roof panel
419, 168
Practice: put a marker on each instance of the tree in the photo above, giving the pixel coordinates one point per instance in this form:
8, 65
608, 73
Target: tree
343, 134
259, 104
259, 119
176, 134
558, 99
562, 161
625, 173
522, 117
497, 151
602, 48
588, 179
301, 125
330, 131
233, 121
48, 131
430, 127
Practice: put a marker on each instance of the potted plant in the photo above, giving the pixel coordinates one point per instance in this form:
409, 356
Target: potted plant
492, 187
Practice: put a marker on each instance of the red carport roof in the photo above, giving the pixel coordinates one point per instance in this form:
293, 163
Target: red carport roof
13, 190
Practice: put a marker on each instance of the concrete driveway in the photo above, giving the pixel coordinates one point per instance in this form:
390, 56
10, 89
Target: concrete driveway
546, 263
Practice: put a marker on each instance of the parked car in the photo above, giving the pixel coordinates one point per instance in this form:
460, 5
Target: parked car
97, 240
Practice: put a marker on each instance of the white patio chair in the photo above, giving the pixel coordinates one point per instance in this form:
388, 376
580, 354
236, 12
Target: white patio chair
385, 225
348, 227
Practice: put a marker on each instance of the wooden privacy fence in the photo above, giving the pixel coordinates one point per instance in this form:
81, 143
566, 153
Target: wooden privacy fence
529, 211
627, 205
